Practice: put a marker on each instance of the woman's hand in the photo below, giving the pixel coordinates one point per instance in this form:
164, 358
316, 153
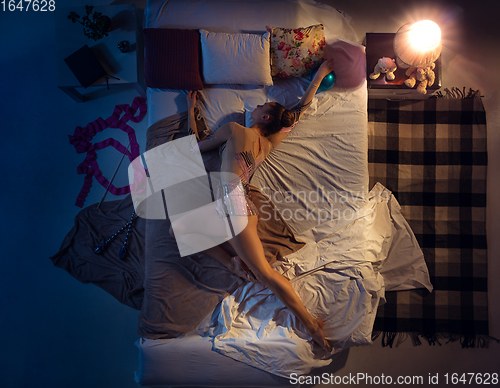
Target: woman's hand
325, 69
192, 97
319, 337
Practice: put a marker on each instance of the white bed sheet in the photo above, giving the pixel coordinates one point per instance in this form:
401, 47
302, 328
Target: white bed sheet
190, 362
339, 276
350, 232
254, 327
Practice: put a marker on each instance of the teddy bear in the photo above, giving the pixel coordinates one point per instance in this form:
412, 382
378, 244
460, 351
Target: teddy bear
425, 76
385, 65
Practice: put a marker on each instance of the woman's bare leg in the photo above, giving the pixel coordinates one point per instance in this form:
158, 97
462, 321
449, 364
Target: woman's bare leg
249, 247
205, 228
202, 225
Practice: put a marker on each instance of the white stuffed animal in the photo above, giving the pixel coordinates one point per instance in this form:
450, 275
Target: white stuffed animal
385, 65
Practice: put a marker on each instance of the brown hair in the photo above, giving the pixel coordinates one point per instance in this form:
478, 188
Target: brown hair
279, 117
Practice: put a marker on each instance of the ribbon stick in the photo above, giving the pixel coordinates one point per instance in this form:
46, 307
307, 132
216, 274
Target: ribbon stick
82, 141
113, 177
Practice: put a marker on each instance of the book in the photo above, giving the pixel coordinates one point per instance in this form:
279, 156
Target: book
85, 66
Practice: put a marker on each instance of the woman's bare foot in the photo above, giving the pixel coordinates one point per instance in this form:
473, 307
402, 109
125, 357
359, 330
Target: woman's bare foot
319, 337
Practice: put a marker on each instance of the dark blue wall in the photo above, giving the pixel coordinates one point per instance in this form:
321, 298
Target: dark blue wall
54, 331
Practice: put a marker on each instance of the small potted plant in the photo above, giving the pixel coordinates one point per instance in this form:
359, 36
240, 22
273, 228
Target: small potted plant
95, 24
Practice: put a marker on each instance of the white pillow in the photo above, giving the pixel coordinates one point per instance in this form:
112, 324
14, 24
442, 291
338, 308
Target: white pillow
235, 58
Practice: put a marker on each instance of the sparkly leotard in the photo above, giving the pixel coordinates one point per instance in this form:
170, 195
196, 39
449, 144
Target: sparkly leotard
248, 150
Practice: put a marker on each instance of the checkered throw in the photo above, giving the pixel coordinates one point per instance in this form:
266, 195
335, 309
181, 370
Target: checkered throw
432, 155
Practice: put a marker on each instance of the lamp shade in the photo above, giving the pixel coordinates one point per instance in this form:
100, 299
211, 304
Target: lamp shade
418, 44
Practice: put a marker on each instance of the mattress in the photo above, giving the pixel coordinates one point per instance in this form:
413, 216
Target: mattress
318, 179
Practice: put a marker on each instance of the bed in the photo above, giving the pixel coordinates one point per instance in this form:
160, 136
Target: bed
353, 233
341, 243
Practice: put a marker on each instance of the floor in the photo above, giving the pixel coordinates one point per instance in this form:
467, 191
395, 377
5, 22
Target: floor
57, 332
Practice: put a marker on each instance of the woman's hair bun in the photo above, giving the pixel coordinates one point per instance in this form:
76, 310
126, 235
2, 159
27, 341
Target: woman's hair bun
279, 117
287, 118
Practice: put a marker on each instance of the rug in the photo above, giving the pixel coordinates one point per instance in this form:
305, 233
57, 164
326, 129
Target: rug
432, 155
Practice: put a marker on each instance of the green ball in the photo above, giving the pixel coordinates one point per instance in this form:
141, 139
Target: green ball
327, 82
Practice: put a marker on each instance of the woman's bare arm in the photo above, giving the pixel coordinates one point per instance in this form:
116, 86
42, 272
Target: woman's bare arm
220, 136
192, 98
213, 141
325, 69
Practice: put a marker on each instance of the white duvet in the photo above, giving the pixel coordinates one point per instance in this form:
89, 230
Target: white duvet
339, 277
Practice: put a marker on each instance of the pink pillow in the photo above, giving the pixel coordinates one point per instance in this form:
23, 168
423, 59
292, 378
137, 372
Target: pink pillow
296, 52
172, 58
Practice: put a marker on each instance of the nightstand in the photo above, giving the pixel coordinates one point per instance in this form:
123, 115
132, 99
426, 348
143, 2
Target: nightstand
380, 45
125, 66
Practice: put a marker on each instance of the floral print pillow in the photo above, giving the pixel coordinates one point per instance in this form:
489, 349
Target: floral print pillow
295, 52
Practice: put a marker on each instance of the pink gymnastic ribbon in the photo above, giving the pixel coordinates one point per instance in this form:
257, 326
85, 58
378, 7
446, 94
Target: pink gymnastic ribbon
82, 141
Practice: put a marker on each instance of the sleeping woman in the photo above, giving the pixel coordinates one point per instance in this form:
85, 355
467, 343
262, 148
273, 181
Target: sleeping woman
244, 149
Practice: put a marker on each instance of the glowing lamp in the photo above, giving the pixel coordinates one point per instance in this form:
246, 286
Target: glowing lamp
417, 44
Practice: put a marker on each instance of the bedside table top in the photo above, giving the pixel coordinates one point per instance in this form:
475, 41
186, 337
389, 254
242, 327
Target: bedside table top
380, 45
70, 38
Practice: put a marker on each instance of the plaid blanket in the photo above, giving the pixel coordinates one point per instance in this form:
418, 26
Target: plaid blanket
432, 155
